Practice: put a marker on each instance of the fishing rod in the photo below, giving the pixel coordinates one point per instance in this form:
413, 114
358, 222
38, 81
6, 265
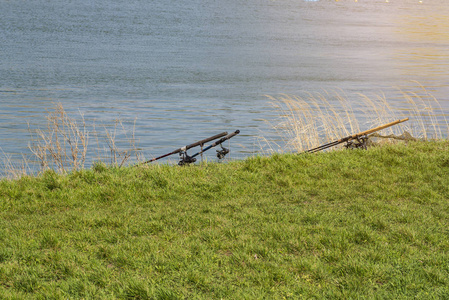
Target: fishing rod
361, 135
186, 159
185, 148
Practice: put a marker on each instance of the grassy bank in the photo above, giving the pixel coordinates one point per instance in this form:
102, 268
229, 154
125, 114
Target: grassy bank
343, 224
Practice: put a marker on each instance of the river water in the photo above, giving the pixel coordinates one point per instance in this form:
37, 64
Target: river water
185, 70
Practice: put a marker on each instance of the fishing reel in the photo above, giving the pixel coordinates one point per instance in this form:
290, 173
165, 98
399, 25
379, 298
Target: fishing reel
222, 153
185, 159
357, 143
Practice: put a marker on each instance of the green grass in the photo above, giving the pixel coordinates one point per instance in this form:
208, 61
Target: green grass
343, 224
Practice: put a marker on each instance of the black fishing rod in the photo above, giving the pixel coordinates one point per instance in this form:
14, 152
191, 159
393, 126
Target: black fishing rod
354, 136
185, 148
186, 159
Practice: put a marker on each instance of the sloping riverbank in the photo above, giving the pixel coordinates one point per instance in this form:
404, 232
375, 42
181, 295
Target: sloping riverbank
342, 224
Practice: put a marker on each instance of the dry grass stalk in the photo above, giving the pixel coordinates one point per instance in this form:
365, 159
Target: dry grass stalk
118, 157
63, 144
108, 149
13, 170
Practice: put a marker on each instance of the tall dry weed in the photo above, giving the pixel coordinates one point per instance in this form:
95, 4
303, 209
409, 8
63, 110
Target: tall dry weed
108, 148
13, 169
63, 144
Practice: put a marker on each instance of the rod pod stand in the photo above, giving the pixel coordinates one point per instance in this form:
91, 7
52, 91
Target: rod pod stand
189, 159
185, 148
354, 136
